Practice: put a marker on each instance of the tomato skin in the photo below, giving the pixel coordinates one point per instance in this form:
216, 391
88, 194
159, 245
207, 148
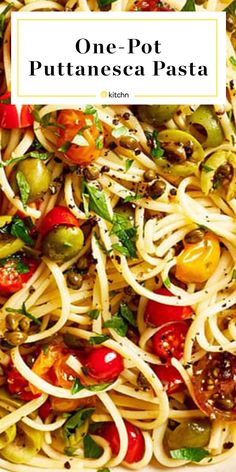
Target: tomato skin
197, 262
136, 445
73, 122
62, 405
59, 215
10, 279
157, 314
18, 385
169, 340
151, 5
45, 409
12, 116
104, 364
170, 378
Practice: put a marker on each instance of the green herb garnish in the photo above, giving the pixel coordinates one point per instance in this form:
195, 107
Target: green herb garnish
99, 339
194, 454
91, 449
189, 6
23, 311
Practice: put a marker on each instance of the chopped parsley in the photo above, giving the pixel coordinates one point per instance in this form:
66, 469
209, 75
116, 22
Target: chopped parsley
154, 143
23, 186
23, 311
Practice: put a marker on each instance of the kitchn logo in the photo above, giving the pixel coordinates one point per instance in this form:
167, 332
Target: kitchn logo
107, 94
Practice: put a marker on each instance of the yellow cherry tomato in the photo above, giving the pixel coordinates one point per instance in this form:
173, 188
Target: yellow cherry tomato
197, 262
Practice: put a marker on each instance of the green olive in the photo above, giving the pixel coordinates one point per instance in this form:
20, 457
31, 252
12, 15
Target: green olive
204, 125
15, 338
157, 189
156, 114
189, 434
128, 142
37, 175
195, 236
149, 175
63, 243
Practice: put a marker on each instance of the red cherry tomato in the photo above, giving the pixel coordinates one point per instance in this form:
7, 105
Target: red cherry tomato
136, 445
88, 128
59, 215
12, 116
11, 278
157, 314
169, 340
151, 5
18, 385
214, 384
45, 409
103, 364
170, 378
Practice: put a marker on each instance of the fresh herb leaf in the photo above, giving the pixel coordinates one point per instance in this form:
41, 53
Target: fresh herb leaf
3, 18
23, 186
98, 387
121, 249
127, 314
133, 198
90, 110
77, 386
101, 338
80, 140
45, 349
97, 122
104, 3
33, 154
120, 223
88, 122
117, 323
85, 200
76, 421
154, 143
93, 314
22, 268
97, 201
99, 142
128, 164
189, 6
19, 230
104, 470
128, 238
194, 454
206, 168
167, 282
23, 311
91, 449
65, 146
120, 131
233, 61
231, 8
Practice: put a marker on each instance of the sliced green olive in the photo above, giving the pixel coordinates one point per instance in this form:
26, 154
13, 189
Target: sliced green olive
205, 126
219, 173
63, 243
189, 434
7, 436
26, 445
9, 245
37, 175
156, 114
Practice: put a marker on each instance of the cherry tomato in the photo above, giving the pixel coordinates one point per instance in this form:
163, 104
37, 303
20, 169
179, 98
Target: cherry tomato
197, 262
157, 314
45, 409
12, 116
11, 277
59, 215
87, 128
103, 364
136, 445
170, 378
63, 404
18, 385
214, 384
169, 340
151, 5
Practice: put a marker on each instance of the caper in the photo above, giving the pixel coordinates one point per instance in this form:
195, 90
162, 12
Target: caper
142, 381
62, 243
156, 114
37, 175
189, 434
224, 403
195, 236
174, 152
82, 264
24, 324
230, 22
224, 170
149, 175
74, 280
15, 338
157, 189
91, 173
12, 321
200, 2
128, 142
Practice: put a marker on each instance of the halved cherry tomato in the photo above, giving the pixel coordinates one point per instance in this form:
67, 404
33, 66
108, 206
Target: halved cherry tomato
170, 378
11, 277
59, 215
197, 262
104, 364
169, 340
18, 385
157, 314
136, 445
89, 132
45, 409
151, 5
214, 384
63, 404
12, 116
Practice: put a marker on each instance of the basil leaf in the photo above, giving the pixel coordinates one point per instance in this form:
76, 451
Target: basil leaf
118, 324
77, 386
34, 154
128, 238
194, 454
19, 230
97, 201
91, 449
23, 311
189, 6
154, 143
167, 282
90, 110
93, 314
127, 314
120, 223
128, 164
101, 338
119, 131
22, 268
121, 249
98, 387
65, 146
104, 3
233, 60
23, 186
231, 8
133, 198
206, 168
3, 18
99, 142
76, 421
